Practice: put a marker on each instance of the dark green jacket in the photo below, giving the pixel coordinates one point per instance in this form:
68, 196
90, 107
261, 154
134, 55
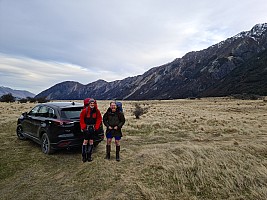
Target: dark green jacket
114, 119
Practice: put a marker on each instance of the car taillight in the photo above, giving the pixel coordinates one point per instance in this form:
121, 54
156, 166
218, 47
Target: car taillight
63, 122
64, 143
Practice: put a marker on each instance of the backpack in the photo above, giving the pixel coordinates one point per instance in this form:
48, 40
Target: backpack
119, 106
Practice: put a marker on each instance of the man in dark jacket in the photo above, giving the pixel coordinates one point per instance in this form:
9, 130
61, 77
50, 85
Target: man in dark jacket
113, 120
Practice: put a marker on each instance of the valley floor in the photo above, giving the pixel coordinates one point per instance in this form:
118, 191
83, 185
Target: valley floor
213, 148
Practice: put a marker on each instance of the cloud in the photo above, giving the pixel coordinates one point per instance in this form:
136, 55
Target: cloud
74, 40
38, 74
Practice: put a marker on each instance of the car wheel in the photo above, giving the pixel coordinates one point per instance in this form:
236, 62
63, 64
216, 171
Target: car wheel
20, 133
46, 145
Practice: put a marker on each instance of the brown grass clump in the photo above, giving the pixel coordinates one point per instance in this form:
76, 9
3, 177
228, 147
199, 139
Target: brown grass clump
214, 148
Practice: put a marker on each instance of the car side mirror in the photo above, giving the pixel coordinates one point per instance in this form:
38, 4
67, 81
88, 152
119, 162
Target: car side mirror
23, 115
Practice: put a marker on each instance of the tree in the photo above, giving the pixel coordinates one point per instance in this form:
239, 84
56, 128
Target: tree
24, 100
7, 98
31, 99
42, 100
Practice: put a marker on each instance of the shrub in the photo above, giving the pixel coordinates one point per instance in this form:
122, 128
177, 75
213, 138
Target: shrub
7, 98
245, 96
24, 100
42, 100
31, 99
139, 111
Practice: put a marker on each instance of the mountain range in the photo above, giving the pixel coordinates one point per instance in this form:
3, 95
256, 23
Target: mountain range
233, 66
19, 94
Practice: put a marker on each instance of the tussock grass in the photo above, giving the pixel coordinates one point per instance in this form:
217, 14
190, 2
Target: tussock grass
214, 148
196, 171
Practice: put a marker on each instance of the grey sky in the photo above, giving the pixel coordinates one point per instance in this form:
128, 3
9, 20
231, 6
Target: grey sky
46, 42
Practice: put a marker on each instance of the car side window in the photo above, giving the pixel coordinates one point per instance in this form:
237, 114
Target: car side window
34, 111
51, 113
43, 112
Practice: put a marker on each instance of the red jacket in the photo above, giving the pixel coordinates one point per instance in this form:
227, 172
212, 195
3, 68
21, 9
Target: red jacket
96, 115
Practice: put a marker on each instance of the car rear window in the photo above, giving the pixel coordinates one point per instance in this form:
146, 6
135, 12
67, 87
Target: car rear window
71, 113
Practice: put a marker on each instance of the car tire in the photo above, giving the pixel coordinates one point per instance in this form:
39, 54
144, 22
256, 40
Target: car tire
46, 145
20, 133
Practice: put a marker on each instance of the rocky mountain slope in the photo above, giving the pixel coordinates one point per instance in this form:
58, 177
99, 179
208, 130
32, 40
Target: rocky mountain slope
235, 65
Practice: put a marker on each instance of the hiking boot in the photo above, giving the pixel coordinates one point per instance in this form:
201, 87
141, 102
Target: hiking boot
118, 153
84, 153
89, 153
108, 149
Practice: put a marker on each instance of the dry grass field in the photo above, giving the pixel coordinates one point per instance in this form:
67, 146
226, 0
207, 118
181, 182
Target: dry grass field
214, 148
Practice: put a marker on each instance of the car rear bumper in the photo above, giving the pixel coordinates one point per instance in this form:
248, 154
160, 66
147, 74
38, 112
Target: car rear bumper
67, 143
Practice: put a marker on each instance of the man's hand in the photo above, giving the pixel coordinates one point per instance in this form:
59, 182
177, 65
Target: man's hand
116, 127
110, 128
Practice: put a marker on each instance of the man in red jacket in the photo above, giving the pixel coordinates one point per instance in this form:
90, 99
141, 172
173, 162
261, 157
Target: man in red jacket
90, 121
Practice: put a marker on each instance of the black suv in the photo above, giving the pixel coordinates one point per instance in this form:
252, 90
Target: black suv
54, 125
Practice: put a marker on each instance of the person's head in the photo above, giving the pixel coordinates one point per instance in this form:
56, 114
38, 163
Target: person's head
91, 103
113, 106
